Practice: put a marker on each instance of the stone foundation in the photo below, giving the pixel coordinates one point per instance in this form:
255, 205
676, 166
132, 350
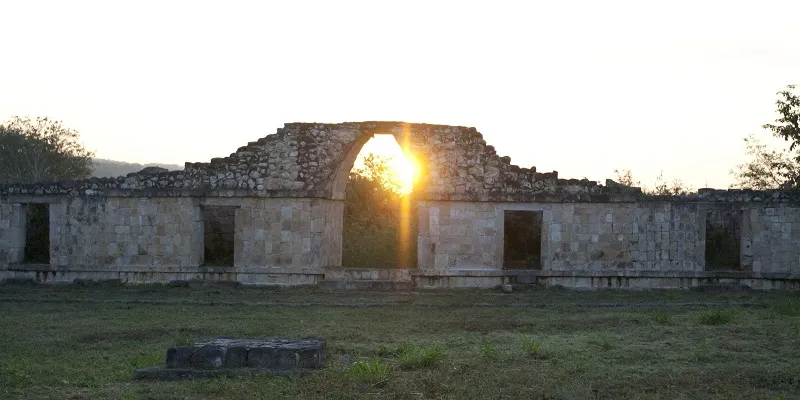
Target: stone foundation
460, 244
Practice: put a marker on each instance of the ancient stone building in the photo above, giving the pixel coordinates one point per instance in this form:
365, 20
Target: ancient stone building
271, 213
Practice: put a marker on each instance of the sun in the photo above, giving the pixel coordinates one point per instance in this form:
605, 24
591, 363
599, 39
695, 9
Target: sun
406, 171
402, 169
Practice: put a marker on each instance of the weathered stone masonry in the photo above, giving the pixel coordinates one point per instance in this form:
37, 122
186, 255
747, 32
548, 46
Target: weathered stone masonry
285, 192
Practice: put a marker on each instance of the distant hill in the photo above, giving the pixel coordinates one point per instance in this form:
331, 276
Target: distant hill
109, 168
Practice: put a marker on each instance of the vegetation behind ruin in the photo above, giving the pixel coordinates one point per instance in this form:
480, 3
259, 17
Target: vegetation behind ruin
373, 217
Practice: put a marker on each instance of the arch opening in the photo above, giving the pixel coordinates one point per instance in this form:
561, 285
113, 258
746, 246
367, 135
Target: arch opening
379, 218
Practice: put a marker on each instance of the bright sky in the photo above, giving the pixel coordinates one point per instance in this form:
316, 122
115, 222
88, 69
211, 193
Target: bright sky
578, 87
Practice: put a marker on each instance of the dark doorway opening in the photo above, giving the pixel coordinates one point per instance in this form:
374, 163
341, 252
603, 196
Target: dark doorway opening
218, 235
723, 240
37, 234
522, 239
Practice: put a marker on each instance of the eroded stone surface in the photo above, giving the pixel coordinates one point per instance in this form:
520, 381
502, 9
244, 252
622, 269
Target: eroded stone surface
279, 354
305, 160
285, 192
236, 357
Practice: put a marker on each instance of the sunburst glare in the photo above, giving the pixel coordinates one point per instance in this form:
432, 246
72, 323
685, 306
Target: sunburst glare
401, 172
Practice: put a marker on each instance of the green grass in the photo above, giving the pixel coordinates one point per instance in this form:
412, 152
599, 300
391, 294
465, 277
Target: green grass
393, 351
786, 307
488, 349
374, 372
420, 358
85, 342
717, 317
660, 317
602, 341
533, 347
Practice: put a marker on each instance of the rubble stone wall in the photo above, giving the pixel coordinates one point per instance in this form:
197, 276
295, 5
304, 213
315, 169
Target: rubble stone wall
310, 160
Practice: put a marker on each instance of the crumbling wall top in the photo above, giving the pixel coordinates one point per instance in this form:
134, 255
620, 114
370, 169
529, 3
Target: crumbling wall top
305, 159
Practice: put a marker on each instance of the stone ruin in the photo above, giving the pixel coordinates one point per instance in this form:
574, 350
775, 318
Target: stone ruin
238, 357
271, 214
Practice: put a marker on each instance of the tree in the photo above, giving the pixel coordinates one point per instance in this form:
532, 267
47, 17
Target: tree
771, 169
788, 125
377, 218
379, 169
767, 169
41, 150
373, 192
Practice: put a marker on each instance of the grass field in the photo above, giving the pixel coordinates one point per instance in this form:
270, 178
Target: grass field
78, 342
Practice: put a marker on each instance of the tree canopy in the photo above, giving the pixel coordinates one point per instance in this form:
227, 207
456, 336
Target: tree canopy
787, 126
41, 150
771, 169
373, 194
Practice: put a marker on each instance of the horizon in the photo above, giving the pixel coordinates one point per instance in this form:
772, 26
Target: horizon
577, 87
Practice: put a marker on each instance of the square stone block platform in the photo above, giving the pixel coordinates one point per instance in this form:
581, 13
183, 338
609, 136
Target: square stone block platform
236, 357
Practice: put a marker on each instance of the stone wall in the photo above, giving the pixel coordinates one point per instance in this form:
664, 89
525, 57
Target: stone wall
12, 243
161, 239
771, 241
312, 161
285, 192
609, 237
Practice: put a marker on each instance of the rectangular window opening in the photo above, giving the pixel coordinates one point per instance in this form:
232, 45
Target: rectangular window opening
37, 234
522, 240
723, 240
218, 235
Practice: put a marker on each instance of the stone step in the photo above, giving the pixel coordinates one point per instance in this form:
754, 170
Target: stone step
366, 286
368, 274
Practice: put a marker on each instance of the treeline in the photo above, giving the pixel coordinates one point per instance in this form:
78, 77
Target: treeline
103, 168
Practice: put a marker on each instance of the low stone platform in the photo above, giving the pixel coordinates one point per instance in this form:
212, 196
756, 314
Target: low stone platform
237, 357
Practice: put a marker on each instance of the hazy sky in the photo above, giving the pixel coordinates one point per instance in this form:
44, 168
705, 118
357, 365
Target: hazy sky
578, 87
